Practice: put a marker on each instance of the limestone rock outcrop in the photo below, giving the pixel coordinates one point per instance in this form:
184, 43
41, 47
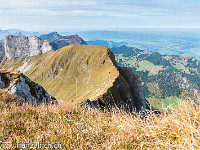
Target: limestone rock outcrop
21, 86
82, 74
21, 46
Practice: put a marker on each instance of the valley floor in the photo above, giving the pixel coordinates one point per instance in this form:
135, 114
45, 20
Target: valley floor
69, 127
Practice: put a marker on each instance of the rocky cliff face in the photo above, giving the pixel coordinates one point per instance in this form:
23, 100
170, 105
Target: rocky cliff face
20, 46
18, 84
82, 73
2, 51
58, 41
137, 87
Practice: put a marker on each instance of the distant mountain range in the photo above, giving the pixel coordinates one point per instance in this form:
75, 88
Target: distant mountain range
4, 33
14, 46
166, 42
163, 75
58, 41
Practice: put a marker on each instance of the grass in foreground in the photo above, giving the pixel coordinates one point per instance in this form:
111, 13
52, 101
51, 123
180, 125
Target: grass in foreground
75, 128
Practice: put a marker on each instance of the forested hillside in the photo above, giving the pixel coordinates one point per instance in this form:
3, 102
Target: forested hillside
163, 75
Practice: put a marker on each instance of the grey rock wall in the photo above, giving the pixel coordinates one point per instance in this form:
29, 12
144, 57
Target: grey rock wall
21, 86
137, 88
21, 46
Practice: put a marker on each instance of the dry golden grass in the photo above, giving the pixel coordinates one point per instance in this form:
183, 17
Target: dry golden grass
76, 128
81, 71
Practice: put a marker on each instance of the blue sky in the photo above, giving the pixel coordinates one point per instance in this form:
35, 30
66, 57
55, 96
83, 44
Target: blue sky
74, 15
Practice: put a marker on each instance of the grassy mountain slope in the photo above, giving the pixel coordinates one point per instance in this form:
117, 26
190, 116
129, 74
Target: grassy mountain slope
77, 73
73, 73
163, 76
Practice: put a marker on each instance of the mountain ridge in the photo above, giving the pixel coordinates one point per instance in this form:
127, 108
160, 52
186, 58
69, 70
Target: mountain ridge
78, 73
4, 33
58, 41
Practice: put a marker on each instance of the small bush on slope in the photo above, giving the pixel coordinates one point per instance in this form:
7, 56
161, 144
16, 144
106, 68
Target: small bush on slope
76, 128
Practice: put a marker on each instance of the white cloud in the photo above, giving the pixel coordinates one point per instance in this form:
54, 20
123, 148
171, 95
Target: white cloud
46, 3
94, 13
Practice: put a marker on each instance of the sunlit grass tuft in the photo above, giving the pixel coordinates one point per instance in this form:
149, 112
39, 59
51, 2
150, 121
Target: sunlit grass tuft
176, 127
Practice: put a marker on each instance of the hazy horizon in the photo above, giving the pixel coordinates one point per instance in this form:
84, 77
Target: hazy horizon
196, 30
